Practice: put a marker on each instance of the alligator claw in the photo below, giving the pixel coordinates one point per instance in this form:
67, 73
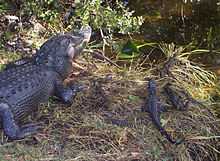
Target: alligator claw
11, 128
29, 125
78, 88
28, 129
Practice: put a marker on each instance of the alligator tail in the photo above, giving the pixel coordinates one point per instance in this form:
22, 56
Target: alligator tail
156, 119
168, 136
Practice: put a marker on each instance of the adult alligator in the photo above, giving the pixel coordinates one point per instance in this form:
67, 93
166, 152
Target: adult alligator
28, 82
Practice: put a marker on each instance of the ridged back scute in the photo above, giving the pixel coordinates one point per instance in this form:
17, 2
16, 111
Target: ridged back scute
25, 87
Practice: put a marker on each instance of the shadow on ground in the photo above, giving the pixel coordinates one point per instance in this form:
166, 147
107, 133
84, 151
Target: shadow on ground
81, 132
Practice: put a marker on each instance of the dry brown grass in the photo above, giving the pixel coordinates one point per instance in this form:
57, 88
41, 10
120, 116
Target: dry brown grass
81, 133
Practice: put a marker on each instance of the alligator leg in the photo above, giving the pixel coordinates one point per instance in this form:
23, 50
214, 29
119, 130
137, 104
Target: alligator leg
67, 94
155, 109
11, 129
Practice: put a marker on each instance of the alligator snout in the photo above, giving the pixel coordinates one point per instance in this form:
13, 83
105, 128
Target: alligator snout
86, 31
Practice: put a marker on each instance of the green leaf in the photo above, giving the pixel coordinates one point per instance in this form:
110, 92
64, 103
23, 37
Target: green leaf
129, 51
129, 48
125, 56
133, 98
2, 66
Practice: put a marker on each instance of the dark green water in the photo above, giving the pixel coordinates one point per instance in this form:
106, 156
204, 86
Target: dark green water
179, 22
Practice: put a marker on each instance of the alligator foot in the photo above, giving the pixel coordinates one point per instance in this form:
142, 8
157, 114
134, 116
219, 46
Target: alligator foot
27, 130
10, 127
154, 108
67, 94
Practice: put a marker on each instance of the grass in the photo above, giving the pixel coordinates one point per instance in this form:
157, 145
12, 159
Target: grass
6, 57
189, 75
81, 133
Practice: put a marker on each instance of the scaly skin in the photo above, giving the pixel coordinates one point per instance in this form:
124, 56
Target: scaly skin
28, 82
176, 99
154, 108
180, 98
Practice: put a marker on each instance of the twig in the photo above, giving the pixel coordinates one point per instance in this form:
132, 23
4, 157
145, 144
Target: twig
99, 55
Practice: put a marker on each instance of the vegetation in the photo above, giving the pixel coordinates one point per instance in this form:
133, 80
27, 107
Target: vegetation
118, 89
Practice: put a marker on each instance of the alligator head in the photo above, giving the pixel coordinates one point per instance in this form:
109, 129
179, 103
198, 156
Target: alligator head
80, 40
59, 51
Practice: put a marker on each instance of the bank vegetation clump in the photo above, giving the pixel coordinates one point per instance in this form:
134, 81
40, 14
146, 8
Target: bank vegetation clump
117, 88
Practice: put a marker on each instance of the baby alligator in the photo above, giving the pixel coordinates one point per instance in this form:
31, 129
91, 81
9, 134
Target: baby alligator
155, 108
